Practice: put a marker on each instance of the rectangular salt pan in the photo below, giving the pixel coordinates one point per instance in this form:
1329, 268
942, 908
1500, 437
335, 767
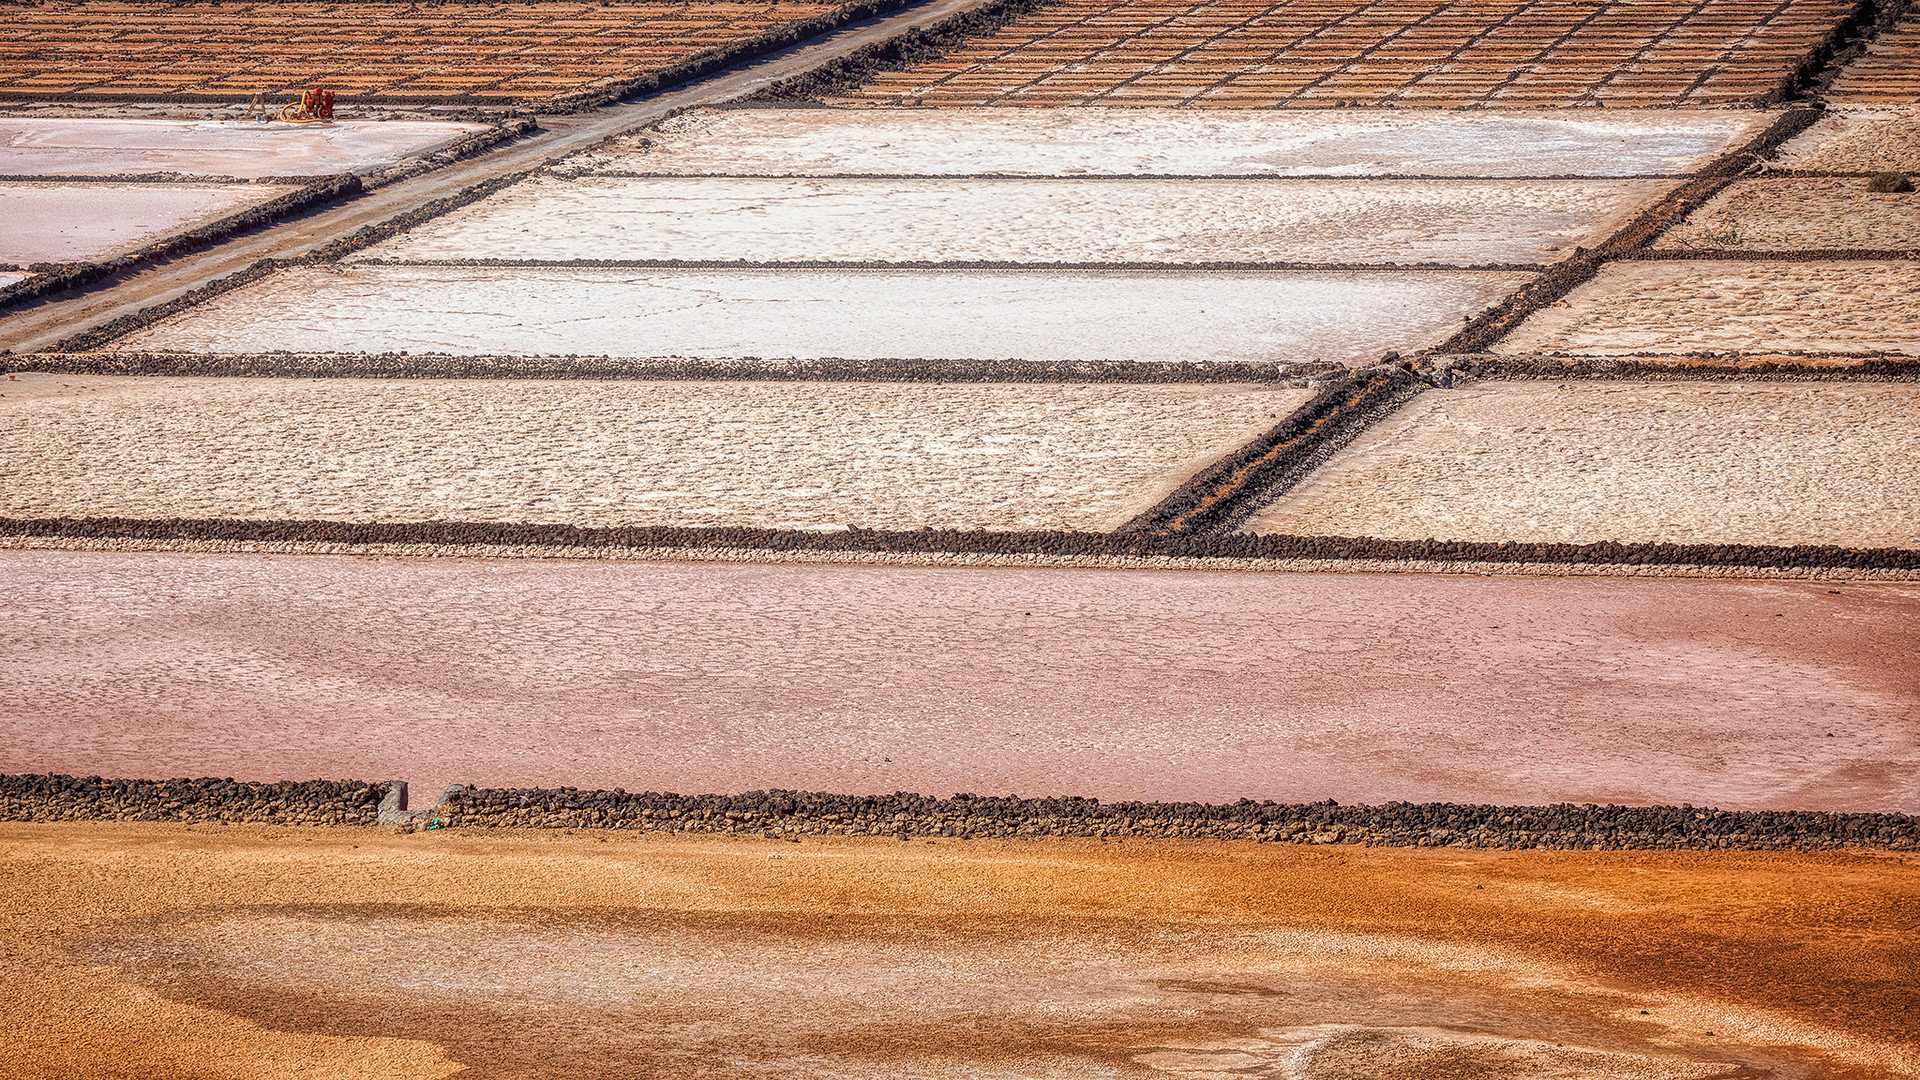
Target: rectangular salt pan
1688, 306
1350, 316
1448, 222
803, 455
67, 222
239, 148
1690, 463
1176, 142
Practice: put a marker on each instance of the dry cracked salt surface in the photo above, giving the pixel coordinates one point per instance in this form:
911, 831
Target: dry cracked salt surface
51, 222
1179, 142
243, 953
1151, 316
1862, 140
1030, 221
1800, 215
1682, 306
1116, 684
32, 146
805, 455
1700, 463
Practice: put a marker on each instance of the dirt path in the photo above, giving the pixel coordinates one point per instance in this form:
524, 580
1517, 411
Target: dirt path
176, 951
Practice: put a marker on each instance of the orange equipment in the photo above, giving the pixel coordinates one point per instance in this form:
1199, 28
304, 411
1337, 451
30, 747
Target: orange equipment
314, 107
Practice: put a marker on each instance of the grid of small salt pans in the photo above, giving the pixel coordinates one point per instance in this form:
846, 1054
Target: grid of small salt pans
491, 52
1889, 73
1320, 53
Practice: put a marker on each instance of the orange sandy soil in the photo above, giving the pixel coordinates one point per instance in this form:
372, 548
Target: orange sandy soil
182, 951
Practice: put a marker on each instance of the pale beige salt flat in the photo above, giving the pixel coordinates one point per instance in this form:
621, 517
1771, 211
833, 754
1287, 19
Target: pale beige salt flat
728, 219
1177, 142
9, 277
67, 222
1148, 316
1697, 463
804, 455
1858, 139
1800, 215
59, 146
1684, 306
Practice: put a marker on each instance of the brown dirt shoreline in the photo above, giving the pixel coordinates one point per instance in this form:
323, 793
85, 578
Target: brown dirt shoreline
166, 951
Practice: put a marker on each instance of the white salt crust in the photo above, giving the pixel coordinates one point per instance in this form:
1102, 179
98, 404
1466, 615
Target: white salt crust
1687, 306
733, 219
56, 146
1177, 142
1149, 316
1697, 463
804, 455
69, 222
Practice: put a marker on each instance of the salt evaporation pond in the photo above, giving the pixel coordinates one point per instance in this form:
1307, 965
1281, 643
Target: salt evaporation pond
1150, 316
1683, 306
247, 149
1662, 462
67, 222
1176, 142
1117, 684
732, 219
805, 455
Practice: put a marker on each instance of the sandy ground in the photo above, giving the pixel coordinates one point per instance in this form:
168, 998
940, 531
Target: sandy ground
1857, 140
1790, 215
778, 455
1178, 142
229, 954
67, 222
244, 149
1678, 462
1117, 684
1056, 220
855, 314
1683, 306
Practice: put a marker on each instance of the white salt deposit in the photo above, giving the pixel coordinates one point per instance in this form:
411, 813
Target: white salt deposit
1039, 221
54, 146
1348, 316
1686, 306
65, 222
1702, 463
1181, 142
782, 455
